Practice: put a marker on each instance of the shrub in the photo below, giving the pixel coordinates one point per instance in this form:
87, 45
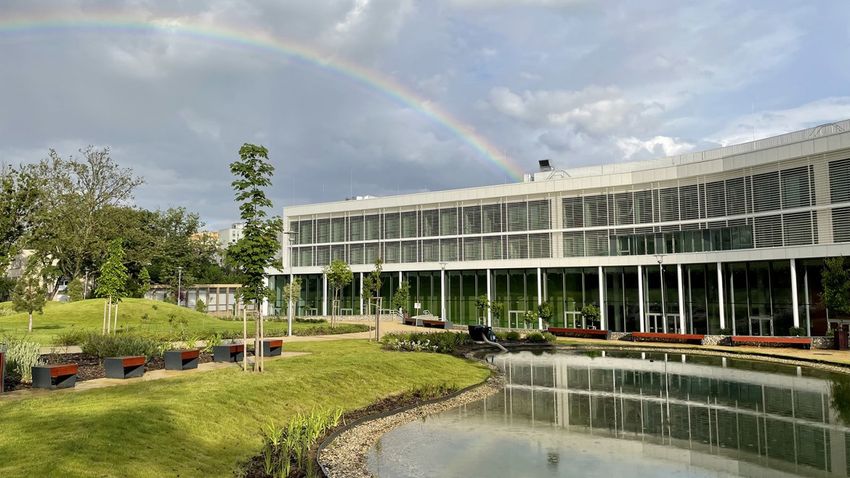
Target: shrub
287, 449
71, 337
501, 336
21, 356
535, 338
212, 341
200, 306
75, 290
303, 320
512, 336
441, 342
796, 331
102, 346
549, 337
726, 331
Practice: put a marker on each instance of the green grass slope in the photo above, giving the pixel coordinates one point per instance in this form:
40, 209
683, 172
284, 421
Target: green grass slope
205, 424
145, 316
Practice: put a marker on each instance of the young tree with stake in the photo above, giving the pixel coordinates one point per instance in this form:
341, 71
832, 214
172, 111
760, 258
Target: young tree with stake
371, 289
112, 284
339, 276
255, 251
29, 294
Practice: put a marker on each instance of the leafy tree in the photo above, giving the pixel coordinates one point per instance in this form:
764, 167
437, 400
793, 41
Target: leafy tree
481, 305
544, 311
836, 285
590, 313
112, 284
257, 248
200, 306
371, 290
79, 208
30, 294
339, 275
401, 298
20, 195
75, 290
292, 292
144, 282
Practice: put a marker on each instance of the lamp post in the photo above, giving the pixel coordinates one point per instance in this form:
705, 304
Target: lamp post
443, 290
291, 235
179, 282
660, 259
86, 285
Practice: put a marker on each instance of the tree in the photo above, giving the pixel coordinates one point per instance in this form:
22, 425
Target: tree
339, 275
292, 292
482, 305
112, 284
20, 196
836, 285
257, 248
75, 290
401, 298
30, 294
544, 311
78, 214
144, 282
371, 290
200, 306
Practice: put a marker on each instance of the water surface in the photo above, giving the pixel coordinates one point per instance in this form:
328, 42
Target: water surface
631, 414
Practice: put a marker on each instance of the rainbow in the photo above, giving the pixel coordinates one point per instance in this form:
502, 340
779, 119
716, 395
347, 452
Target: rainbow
371, 79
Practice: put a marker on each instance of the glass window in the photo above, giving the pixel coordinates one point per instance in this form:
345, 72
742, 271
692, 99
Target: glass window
392, 223
669, 198
538, 245
596, 211
492, 248
338, 253
472, 249
643, 206
518, 247
356, 228
766, 191
517, 216
356, 253
305, 232
538, 215
408, 251
795, 188
448, 250
392, 252
431, 251
323, 230
624, 207
573, 244
408, 224
371, 252
573, 216
430, 223
338, 230
373, 228
491, 216
448, 222
306, 257
472, 220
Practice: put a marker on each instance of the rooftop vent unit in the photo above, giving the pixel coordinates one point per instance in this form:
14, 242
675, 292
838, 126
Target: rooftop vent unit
545, 165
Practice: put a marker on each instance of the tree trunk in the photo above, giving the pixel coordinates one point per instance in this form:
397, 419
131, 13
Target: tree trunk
30, 327
262, 338
244, 340
115, 326
256, 344
103, 325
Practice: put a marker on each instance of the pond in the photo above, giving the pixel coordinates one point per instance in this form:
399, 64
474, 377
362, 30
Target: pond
612, 414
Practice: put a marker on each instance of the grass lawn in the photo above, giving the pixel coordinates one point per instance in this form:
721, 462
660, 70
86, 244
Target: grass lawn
205, 424
146, 316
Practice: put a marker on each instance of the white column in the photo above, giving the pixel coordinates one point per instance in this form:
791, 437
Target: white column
399, 278
720, 295
361, 293
603, 323
324, 294
264, 307
489, 301
539, 298
641, 315
443, 293
795, 301
681, 299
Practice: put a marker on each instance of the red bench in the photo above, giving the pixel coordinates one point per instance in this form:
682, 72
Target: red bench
229, 353
182, 359
54, 376
272, 347
660, 337
570, 332
805, 342
438, 324
124, 367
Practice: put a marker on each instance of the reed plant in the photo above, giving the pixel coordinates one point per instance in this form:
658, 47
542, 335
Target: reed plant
287, 449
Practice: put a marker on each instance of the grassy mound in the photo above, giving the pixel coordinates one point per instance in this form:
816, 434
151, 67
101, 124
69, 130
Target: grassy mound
204, 424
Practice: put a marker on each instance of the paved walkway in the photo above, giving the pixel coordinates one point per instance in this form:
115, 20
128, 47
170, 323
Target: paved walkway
147, 377
834, 357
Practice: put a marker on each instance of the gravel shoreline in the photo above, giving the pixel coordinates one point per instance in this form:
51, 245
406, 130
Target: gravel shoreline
345, 456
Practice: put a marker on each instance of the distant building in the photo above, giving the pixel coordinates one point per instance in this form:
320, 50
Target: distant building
205, 235
230, 235
219, 299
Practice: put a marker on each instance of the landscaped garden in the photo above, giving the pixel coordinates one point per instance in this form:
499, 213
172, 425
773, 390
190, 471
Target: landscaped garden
66, 323
207, 424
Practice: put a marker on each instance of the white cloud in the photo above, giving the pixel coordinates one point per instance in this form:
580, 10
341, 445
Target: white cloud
514, 3
203, 127
774, 122
657, 146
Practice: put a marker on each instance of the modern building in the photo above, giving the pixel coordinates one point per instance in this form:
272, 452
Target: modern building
230, 235
730, 239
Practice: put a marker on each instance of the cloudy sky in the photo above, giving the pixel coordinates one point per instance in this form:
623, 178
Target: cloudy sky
580, 82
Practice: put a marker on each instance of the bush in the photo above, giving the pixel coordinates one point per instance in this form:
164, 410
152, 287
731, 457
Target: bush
512, 336
287, 450
535, 338
102, 346
200, 306
501, 336
75, 290
71, 337
796, 331
550, 337
441, 342
21, 356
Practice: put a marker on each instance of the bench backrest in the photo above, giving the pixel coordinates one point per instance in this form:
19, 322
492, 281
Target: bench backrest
61, 370
275, 343
190, 354
771, 340
236, 348
134, 361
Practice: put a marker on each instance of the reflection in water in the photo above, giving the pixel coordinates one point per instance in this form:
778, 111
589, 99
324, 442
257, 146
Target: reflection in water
626, 414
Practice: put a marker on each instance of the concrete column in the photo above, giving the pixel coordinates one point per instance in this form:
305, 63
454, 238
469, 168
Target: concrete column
442, 293
641, 315
681, 299
361, 293
264, 307
324, 294
603, 323
795, 301
539, 298
489, 301
722, 303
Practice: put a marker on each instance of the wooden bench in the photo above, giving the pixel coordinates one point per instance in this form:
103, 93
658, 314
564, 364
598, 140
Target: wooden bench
272, 347
436, 324
182, 359
660, 337
54, 376
229, 353
805, 342
408, 320
571, 332
124, 367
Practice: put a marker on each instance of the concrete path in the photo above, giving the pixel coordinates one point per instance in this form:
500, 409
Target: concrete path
147, 377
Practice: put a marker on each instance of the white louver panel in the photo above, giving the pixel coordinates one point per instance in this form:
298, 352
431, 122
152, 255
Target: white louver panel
430, 251
539, 246
306, 254
430, 223
573, 212
797, 228
356, 253
596, 211
518, 247
492, 247
841, 224
323, 231
338, 253
596, 243
355, 229
373, 227
768, 231
491, 218
448, 250
624, 208
766, 192
409, 251
448, 222
392, 252
517, 216
392, 225
472, 249
305, 232
643, 207
573, 244
371, 253
323, 255
538, 215
472, 220
338, 229
408, 224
